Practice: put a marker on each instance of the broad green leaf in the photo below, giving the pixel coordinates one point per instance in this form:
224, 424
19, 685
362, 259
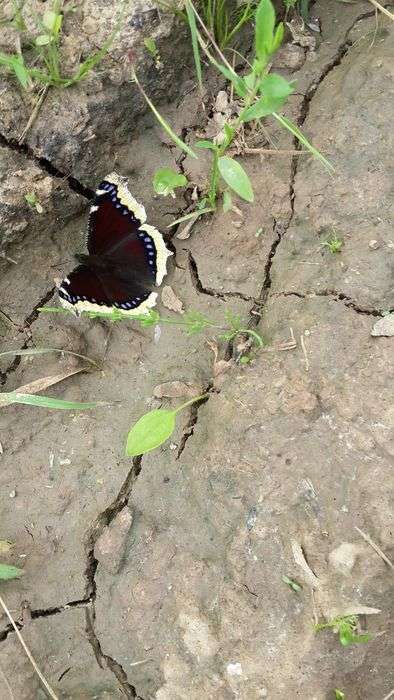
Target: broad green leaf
275, 90
43, 39
9, 572
227, 201
150, 431
49, 20
302, 139
206, 144
235, 177
194, 37
250, 79
47, 402
165, 180
264, 31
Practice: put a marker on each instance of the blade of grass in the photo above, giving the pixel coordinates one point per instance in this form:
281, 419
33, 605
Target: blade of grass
196, 52
47, 402
41, 384
192, 215
183, 146
44, 351
28, 652
302, 139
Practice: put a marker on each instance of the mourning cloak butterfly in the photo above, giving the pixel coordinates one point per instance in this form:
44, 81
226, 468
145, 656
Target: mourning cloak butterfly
126, 257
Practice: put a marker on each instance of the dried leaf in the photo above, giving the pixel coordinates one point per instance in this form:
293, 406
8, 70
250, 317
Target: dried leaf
185, 232
170, 300
299, 559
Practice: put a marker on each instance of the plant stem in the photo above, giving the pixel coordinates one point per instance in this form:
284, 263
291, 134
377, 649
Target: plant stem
188, 403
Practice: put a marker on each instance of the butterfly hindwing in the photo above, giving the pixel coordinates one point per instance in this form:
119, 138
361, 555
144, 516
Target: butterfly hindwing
126, 255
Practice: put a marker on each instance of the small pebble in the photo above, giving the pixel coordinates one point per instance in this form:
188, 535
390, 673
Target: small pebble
373, 245
13, 493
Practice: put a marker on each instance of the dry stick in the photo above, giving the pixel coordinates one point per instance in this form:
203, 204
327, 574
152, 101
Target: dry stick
272, 152
27, 651
375, 547
34, 113
382, 9
390, 695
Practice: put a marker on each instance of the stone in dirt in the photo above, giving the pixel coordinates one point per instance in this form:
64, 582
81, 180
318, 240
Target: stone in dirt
110, 546
385, 326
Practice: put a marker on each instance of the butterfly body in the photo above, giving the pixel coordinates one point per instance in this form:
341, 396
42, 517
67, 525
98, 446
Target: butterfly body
126, 257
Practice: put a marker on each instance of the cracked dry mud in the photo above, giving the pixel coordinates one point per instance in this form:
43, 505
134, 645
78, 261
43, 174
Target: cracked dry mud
162, 577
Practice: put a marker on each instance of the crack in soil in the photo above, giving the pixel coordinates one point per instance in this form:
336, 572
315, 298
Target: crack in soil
192, 422
281, 228
336, 296
197, 284
74, 184
44, 612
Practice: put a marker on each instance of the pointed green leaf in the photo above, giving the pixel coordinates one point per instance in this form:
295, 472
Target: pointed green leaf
278, 38
9, 572
21, 71
194, 37
235, 177
43, 39
265, 25
288, 124
47, 402
206, 144
150, 431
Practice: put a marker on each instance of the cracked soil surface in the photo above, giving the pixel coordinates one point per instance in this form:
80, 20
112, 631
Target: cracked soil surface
161, 577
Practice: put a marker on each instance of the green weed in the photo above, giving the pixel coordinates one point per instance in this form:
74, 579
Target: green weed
339, 695
334, 244
45, 64
260, 94
32, 199
346, 628
296, 587
9, 572
166, 180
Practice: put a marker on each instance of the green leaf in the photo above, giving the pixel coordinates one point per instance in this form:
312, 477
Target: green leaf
264, 32
21, 71
278, 37
47, 402
293, 584
150, 45
44, 351
194, 36
9, 572
206, 144
150, 431
49, 19
165, 180
43, 39
275, 91
339, 695
235, 177
31, 198
227, 201
229, 132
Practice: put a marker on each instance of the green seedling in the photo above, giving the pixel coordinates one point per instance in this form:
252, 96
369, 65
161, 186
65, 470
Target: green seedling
339, 695
334, 244
154, 428
45, 66
346, 628
296, 587
32, 199
192, 322
166, 180
152, 49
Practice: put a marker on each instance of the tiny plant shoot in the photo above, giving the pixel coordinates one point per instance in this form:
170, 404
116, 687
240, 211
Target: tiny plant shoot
334, 244
166, 180
154, 428
346, 629
9, 572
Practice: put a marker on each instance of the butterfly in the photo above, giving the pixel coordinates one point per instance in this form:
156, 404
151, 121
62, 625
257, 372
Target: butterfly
126, 257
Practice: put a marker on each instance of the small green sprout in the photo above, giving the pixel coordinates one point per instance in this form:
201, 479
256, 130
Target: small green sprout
296, 587
339, 695
166, 180
9, 572
334, 244
346, 628
32, 199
